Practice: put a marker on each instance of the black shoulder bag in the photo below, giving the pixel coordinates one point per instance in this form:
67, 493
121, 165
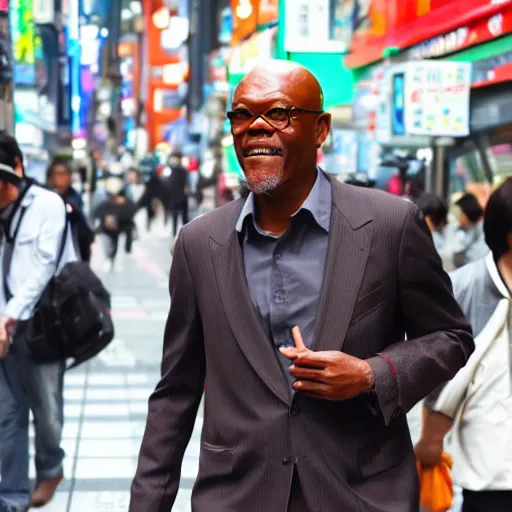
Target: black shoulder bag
72, 318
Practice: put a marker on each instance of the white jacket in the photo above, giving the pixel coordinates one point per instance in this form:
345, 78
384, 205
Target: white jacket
36, 250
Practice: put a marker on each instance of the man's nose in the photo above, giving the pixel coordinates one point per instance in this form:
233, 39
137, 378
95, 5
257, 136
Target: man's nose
260, 125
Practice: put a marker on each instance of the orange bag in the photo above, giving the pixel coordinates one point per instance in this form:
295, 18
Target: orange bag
436, 491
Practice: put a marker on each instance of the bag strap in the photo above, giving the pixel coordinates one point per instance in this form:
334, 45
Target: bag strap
7, 255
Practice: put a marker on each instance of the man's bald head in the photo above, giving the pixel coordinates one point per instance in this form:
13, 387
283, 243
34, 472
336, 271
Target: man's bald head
277, 122
289, 78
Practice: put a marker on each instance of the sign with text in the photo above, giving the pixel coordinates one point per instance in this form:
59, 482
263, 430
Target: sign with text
308, 27
435, 98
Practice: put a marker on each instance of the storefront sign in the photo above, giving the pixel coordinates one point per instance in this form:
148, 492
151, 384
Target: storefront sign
432, 28
481, 31
435, 99
308, 27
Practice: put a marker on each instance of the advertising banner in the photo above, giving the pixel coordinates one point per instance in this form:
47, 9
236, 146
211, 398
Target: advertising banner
431, 98
317, 26
24, 43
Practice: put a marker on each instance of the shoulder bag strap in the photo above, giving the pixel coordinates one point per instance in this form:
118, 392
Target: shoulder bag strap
7, 255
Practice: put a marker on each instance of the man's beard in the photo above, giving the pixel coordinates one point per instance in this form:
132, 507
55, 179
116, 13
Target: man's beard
265, 184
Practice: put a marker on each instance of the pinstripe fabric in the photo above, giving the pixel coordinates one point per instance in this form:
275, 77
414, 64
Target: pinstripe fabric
383, 278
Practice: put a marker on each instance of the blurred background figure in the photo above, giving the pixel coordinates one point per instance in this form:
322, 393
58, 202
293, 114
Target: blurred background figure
435, 211
60, 181
469, 240
114, 217
154, 193
178, 191
134, 186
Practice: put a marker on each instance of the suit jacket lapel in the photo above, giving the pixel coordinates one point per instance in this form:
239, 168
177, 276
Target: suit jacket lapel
242, 316
349, 246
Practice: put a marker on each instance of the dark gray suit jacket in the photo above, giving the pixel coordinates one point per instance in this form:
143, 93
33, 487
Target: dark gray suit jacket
383, 278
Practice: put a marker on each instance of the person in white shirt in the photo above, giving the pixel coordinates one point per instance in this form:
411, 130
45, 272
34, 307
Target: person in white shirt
33, 221
476, 406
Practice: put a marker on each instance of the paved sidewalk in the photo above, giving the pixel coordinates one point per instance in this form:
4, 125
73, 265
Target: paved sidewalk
106, 400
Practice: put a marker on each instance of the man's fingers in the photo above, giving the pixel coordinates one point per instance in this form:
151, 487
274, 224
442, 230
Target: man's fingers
311, 360
297, 338
289, 352
306, 373
308, 386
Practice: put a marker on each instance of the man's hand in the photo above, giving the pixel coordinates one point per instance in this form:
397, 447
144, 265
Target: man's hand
7, 326
328, 375
435, 426
428, 452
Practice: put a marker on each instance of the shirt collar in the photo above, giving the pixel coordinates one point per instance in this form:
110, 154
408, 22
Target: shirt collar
497, 280
318, 203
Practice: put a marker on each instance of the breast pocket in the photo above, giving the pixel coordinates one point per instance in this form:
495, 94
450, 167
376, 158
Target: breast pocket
371, 301
24, 249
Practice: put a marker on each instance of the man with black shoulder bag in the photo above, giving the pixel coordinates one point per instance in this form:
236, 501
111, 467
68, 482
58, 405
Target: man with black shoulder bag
34, 221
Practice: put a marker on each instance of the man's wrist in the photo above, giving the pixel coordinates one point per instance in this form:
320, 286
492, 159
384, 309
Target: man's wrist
369, 379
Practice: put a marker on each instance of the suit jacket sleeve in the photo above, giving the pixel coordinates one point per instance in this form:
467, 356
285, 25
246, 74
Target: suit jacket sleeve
439, 338
173, 405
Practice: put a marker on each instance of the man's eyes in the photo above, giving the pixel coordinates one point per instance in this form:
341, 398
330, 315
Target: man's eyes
242, 114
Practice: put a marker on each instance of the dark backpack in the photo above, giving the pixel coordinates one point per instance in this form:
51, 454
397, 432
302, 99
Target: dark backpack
72, 318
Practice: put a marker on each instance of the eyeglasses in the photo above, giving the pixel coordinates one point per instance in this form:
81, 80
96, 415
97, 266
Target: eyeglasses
278, 118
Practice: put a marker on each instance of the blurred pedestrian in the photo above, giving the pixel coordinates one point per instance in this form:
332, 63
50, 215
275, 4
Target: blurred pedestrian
294, 304
435, 211
115, 216
60, 181
469, 240
179, 191
154, 192
33, 220
476, 406
134, 186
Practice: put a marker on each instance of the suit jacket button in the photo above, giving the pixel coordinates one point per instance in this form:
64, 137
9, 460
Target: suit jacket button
287, 461
295, 410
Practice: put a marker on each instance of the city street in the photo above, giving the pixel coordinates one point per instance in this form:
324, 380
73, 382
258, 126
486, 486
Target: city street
106, 400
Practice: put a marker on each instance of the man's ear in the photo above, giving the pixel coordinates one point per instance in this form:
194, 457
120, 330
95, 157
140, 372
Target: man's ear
323, 127
18, 169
